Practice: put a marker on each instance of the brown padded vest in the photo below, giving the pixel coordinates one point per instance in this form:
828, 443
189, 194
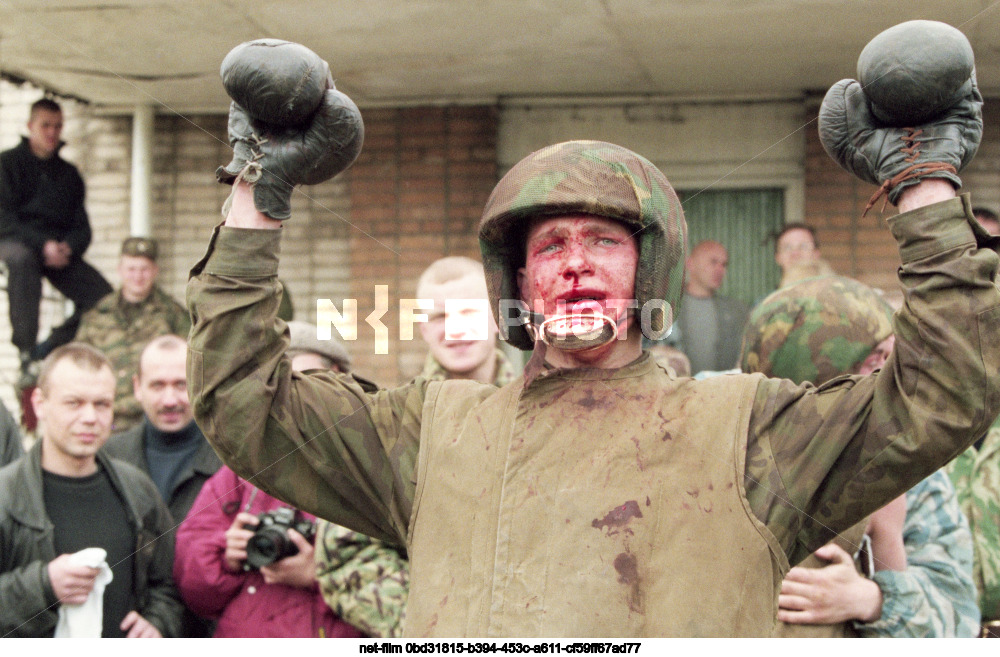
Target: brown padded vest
593, 503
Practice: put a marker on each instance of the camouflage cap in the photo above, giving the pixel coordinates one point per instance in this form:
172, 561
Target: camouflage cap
140, 246
815, 329
304, 340
585, 177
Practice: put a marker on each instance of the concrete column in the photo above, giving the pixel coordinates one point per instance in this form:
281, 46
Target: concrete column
140, 222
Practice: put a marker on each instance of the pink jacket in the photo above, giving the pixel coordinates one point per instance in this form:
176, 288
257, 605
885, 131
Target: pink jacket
243, 604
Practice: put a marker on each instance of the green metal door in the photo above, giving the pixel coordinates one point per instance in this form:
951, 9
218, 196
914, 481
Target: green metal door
744, 221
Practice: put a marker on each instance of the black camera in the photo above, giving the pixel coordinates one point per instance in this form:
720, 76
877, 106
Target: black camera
270, 541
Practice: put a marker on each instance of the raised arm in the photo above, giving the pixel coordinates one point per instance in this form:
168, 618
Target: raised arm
820, 459
322, 442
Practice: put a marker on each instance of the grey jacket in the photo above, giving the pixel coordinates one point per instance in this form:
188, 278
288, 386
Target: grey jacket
28, 605
10, 438
731, 317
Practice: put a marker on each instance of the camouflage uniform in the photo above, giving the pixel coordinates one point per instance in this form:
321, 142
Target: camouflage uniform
601, 502
976, 475
504, 374
363, 580
935, 595
121, 330
815, 330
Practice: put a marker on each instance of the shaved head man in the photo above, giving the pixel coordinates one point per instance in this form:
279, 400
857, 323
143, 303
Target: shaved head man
461, 335
709, 325
706, 268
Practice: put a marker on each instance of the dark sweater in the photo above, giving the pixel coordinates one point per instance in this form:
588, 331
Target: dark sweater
87, 512
168, 454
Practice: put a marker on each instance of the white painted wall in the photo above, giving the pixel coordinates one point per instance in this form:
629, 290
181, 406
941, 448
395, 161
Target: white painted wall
697, 145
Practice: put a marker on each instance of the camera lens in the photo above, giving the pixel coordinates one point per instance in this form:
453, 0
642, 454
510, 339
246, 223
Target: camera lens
266, 546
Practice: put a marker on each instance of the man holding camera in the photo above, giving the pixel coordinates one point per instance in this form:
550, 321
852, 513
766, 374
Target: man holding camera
248, 560
242, 560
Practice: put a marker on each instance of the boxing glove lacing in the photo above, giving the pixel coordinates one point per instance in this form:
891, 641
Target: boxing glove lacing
251, 171
920, 170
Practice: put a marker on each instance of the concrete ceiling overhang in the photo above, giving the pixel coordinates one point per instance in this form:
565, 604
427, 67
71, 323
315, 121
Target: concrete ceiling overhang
117, 54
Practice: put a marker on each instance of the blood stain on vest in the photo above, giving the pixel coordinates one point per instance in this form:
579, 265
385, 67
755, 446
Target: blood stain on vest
628, 574
589, 401
618, 517
552, 399
667, 436
483, 432
638, 454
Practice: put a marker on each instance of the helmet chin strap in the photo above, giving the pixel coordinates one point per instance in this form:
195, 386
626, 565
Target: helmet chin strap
571, 333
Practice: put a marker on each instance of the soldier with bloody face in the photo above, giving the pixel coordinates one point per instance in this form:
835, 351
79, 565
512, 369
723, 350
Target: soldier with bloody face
598, 494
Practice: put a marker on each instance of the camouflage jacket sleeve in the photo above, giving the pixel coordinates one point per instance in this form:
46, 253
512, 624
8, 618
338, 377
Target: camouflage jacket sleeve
821, 458
363, 580
976, 476
89, 322
935, 595
322, 442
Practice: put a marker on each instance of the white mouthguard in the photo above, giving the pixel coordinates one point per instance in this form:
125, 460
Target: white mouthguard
577, 332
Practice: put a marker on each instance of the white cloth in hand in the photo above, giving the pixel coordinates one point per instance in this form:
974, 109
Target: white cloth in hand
87, 619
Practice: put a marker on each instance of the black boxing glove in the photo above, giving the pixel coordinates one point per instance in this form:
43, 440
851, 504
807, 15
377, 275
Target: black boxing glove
896, 158
302, 130
275, 159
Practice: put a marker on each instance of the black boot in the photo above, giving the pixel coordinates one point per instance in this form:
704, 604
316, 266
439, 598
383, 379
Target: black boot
29, 371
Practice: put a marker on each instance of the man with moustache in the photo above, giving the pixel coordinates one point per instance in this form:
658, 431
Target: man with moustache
167, 444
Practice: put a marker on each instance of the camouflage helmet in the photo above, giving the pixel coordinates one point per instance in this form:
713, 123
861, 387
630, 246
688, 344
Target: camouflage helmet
585, 177
815, 329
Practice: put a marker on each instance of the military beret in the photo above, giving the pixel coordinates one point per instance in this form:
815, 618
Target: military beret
140, 246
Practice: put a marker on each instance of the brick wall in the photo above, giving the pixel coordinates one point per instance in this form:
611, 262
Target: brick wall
417, 192
982, 178
414, 195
